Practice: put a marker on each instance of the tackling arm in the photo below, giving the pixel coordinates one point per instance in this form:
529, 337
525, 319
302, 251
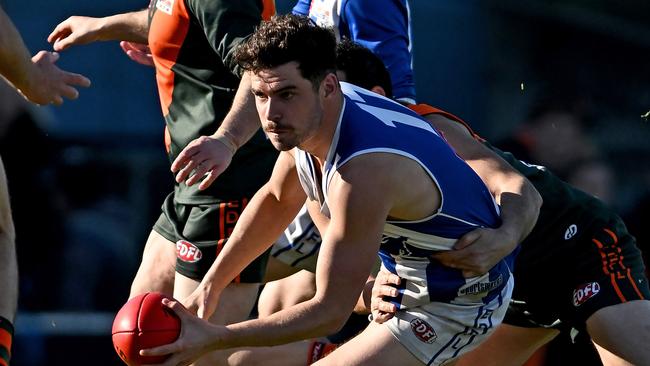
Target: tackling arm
519, 200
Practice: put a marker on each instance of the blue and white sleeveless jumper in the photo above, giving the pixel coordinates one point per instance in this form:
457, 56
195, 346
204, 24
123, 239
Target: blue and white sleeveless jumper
370, 123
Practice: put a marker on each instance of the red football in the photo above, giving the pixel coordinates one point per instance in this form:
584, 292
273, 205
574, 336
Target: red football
144, 322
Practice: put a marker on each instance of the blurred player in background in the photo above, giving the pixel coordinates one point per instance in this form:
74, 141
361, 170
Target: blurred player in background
381, 26
192, 44
41, 82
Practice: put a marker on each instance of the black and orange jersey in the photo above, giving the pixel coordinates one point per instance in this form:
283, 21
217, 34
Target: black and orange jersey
193, 44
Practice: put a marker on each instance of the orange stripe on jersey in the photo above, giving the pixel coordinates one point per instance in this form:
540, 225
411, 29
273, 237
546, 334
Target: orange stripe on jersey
3, 362
425, 109
5, 340
269, 9
599, 244
166, 35
602, 255
611, 233
636, 289
616, 288
222, 222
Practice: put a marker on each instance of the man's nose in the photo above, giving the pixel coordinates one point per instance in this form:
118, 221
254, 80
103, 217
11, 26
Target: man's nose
273, 110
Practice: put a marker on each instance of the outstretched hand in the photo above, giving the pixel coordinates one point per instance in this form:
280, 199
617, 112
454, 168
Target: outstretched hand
203, 159
48, 84
194, 341
76, 30
137, 52
478, 251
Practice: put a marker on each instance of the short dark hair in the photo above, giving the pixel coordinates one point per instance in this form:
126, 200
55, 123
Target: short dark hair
362, 67
287, 38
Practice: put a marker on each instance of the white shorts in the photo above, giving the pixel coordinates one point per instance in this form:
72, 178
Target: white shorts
438, 332
299, 244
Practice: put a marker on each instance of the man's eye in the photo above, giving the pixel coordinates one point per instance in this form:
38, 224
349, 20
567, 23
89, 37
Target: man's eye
287, 95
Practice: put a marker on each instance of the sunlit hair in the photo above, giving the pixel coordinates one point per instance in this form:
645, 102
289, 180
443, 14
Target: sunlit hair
287, 38
362, 67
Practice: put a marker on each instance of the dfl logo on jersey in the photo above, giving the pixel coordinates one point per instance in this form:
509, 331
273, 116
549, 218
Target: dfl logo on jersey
165, 6
585, 292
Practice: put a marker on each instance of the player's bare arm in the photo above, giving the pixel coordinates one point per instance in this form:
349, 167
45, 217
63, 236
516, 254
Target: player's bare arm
205, 158
37, 78
520, 202
267, 214
360, 201
79, 30
366, 191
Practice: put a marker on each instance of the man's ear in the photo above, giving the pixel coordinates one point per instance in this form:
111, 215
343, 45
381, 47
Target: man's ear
379, 90
330, 84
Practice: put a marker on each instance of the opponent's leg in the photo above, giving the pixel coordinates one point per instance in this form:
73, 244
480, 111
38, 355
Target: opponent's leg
508, 345
156, 271
285, 292
376, 345
292, 354
235, 304
621, 333
277, 269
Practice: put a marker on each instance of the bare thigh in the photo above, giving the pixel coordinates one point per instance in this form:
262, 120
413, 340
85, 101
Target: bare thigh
291, 354
621, 333
286, 292
277, 269
376, 345
235, 304
157, 268
508, 346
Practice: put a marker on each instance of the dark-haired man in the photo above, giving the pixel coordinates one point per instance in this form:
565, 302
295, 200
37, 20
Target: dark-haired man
350, 151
